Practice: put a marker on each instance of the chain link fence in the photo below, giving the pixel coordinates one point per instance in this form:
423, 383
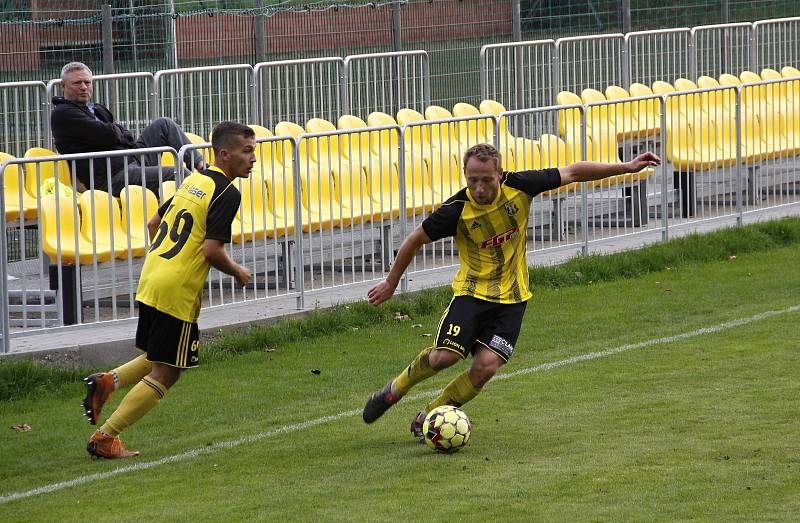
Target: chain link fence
164, 34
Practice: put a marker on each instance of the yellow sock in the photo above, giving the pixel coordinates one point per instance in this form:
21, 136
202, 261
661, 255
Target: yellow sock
133, 371
458, 392
418, 371
139, 401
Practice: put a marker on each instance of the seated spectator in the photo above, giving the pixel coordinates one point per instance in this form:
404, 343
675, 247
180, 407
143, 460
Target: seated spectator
80, 125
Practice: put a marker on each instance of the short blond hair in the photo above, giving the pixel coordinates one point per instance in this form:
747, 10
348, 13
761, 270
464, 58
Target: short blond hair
483, 152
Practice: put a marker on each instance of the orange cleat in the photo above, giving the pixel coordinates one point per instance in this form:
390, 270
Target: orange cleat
99, 388
416, 426
103, 446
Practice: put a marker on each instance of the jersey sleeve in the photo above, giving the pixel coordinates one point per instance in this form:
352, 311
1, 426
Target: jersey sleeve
163, 209
220, 214
443, 222
534, 182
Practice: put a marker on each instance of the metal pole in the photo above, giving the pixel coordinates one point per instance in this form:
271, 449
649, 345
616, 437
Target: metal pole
725, 11
397, 46
626, 16
133, 36
516, 23
397, 38
172, 42
4, 320
260, 34
740, 185
108, 40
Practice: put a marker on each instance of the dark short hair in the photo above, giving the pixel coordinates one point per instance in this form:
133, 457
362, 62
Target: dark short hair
223, 132
483, 152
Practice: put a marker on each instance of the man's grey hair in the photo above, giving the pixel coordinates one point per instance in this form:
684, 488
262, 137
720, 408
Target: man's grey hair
74, 66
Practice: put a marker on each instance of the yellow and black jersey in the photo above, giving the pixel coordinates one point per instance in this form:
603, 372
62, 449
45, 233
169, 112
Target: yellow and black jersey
175, 268
491, 238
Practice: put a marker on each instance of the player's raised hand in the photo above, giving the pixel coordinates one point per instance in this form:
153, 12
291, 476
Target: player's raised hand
647, 159
381, 292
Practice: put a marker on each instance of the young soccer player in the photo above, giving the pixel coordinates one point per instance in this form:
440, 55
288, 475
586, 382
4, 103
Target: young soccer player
188, 236
488, 219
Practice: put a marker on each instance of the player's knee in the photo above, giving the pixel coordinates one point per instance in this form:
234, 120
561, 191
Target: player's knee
165, 375
441, 359
483, 369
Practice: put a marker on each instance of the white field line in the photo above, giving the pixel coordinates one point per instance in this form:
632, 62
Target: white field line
211, 449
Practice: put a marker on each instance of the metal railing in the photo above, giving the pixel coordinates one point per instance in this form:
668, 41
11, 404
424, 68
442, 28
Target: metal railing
720, 160
23, 116
386, 82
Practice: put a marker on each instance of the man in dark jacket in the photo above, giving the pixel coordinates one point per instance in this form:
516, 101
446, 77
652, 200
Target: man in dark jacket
80, 126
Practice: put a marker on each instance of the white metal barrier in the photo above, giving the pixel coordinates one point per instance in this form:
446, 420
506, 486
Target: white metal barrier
776, 43
386, 82
656, 55
297, 90
23, 122
727, 150
520, 74
90, 246
719, 49
590, 62
198, 98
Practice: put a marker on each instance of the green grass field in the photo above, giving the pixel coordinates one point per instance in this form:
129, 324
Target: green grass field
702, 426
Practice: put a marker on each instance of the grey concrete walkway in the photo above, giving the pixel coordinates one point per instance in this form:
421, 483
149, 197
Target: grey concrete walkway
108, 344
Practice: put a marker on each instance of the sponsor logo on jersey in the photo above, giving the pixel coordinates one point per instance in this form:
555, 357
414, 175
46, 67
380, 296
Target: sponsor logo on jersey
511, 208
500, 238
195, 191
475, 225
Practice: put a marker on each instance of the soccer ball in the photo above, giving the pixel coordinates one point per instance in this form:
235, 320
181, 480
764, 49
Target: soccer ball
446, 429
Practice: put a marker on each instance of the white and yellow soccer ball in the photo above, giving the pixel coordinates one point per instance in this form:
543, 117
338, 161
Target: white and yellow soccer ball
447, 429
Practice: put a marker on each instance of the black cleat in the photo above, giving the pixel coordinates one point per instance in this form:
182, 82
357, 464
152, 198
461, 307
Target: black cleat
379, 403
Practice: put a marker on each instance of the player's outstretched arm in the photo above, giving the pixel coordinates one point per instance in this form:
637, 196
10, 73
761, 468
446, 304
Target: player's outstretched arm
217, 256
588, 171
385, 289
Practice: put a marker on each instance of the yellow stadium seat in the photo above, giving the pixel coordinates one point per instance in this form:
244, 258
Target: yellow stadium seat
508, 142
265, 152
444, 133
17, 200
59, 235
471, 132
100, 218
207, 152
283, 150
133, 200
355, 195
569, 120
254, 220
647, 113
318, 198
355, 146
44, 170
326, 148
383, 139
442, 163
280, 197
527, 155
167, 190
793, 87
554, 152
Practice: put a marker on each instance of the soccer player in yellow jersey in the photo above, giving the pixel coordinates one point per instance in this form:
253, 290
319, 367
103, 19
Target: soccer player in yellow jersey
488, 219
188, 236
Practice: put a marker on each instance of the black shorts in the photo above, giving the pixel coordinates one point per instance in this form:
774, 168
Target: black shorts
469, 321
166, 339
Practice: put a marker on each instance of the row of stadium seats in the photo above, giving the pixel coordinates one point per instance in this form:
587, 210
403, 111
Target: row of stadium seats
345, 180
701, 127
